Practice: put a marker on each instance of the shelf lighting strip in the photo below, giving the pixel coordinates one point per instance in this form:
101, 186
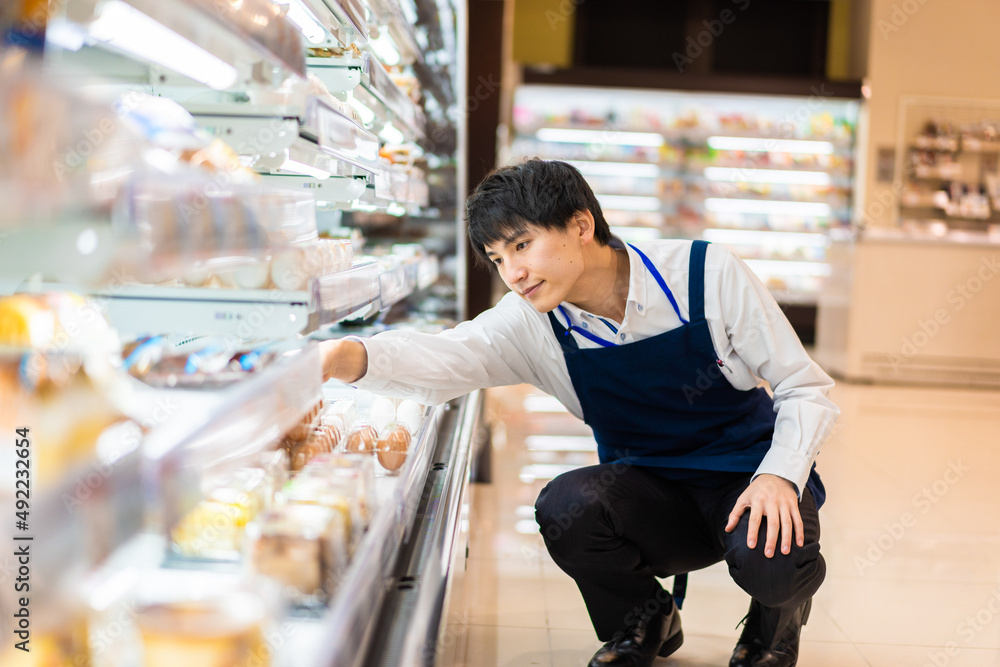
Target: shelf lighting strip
784, 176
767, 207
128, 29
306, 21
774, 267
764, 145
597, 137
765, 237
624, 169
629, 203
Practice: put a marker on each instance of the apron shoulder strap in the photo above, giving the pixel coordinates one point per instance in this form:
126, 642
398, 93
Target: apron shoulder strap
696, 281
561, 332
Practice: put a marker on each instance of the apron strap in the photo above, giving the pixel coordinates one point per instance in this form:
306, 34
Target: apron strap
696, 280
659, 281
680, 589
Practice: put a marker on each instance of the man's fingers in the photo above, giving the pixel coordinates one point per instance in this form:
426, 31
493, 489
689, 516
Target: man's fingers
754, 526
734, 516
800, 531
773, 528
786, 530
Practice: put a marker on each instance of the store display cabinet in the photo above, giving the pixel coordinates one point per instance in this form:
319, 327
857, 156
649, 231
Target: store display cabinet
770, 176
178, 176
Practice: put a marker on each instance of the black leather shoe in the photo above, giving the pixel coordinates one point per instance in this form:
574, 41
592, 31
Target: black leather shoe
750, 643
638, 647
785, 651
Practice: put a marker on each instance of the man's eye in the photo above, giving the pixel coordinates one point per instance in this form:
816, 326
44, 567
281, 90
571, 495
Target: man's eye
521, 245
496, 261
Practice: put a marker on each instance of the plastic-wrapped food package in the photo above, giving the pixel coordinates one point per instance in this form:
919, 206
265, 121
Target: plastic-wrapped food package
302, 547
204, 619
392, 447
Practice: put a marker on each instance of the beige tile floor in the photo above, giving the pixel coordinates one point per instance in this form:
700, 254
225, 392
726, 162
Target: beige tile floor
911, 535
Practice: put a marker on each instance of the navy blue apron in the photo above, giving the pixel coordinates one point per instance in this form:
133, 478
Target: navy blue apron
663, 402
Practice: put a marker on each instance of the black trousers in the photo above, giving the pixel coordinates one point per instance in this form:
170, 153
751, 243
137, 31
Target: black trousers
614, 528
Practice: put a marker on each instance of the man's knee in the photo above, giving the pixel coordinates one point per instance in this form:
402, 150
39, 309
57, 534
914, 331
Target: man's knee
780, 579
570, 499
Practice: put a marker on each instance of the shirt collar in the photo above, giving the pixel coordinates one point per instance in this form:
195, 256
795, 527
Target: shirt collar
636, 286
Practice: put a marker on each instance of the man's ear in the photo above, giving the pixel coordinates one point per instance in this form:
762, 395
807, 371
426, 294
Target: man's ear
585, 222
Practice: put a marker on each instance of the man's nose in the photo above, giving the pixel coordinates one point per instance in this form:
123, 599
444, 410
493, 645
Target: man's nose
515, 272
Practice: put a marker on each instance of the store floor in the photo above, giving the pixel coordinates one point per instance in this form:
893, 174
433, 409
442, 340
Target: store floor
911, 535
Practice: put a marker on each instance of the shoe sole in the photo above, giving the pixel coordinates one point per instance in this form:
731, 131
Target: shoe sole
671, 645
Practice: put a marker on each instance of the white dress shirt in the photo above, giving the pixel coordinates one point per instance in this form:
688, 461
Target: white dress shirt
513, 343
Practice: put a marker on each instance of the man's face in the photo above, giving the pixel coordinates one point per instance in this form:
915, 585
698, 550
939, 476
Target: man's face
541, 265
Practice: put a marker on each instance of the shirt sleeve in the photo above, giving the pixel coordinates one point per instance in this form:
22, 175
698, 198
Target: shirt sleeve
487, 351
763, 338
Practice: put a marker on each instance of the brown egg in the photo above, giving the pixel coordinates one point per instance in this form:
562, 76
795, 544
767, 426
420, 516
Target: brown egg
300, 455
361, 439
392, 448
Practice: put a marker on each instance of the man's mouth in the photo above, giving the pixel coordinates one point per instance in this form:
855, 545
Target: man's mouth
528, 293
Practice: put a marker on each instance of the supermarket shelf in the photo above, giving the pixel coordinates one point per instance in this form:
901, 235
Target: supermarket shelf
411, 619
345, 635
371, 86
224, 428
244, 40
92, 509
313, 133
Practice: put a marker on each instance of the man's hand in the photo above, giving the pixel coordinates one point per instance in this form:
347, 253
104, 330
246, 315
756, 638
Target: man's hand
345, 360
775, 498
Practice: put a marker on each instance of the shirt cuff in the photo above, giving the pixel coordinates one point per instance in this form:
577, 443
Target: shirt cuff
787, 464
372, 381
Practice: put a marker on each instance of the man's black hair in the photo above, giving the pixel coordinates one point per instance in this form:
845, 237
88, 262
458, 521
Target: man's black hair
543, 193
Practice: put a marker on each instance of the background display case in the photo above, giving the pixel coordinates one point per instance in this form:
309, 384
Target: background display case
770, 176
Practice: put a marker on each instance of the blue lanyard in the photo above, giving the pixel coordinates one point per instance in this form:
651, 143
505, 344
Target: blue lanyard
659, 281
583, 332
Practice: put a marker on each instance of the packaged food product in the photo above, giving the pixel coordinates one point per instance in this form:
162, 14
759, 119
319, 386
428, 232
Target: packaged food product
302, 547
216, 527
361, 439
339, 494
213, 631
392, 447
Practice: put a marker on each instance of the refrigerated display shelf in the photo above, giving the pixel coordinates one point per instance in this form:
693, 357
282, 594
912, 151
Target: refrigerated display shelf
312, 133
243, 38
366, 78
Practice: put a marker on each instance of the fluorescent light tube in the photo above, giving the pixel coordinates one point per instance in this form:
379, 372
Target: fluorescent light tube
307, 22
367, 115
385, 49
767, 207
731, 175
614, 137
766, 238
764, 145
636, 234
297, 167
128, 29
629, 203
625, 169
773, 267
391, 135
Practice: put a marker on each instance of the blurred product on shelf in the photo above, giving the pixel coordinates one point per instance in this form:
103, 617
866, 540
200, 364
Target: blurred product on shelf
204, 619
195, 362
58, 375
302, 547
950, 173
216, 527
